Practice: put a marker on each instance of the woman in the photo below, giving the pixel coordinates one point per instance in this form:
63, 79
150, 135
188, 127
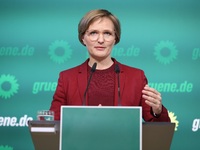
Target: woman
102, 80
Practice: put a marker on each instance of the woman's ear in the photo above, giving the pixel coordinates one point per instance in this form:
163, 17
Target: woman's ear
83, 40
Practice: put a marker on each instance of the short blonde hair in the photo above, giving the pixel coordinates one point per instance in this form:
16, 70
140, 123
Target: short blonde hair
94, 15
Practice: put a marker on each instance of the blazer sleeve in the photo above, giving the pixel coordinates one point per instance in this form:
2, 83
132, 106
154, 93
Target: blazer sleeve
148, 113
59, 98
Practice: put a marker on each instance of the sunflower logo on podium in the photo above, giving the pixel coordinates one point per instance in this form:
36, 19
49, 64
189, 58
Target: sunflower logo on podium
5, 147
8, 86
60, 51
174, 119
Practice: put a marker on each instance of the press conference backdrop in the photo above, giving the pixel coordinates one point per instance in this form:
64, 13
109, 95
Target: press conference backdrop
38, 39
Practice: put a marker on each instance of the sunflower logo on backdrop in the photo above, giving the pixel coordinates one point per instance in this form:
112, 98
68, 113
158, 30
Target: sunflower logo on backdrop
60, 51
5, 148
174, 120
165, 52
8, 86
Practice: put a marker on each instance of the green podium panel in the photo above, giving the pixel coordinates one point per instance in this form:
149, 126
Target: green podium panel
100, 128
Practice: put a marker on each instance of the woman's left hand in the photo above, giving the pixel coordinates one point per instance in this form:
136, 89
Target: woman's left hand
153, 99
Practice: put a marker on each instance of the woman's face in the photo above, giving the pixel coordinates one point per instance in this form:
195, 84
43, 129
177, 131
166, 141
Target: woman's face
100, 39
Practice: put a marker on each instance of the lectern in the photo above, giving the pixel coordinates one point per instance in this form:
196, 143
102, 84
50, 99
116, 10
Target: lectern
45, 134
101, 128
105, 128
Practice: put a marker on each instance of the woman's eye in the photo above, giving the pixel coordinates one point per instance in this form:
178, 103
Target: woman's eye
107, 33
93, 33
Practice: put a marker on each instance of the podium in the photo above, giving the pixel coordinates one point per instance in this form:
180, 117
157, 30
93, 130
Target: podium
45, 134
101, 128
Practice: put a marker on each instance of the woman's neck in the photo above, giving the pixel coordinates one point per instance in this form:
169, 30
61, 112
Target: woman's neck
101, 64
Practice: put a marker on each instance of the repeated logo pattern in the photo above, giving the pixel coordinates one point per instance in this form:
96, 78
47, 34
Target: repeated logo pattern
14, 86
60, 58
169, 46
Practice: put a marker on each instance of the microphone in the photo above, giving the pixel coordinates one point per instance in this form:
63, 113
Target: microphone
91, 73
117, 70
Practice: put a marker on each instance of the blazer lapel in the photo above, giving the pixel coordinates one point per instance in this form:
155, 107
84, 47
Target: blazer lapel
82, 80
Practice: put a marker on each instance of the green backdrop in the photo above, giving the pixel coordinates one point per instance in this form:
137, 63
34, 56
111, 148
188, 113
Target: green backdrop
38, 39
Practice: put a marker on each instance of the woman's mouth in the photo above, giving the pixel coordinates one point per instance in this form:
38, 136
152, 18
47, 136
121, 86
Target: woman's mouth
99, 47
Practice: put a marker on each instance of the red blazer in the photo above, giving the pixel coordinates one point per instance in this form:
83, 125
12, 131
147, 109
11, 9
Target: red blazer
72, 85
